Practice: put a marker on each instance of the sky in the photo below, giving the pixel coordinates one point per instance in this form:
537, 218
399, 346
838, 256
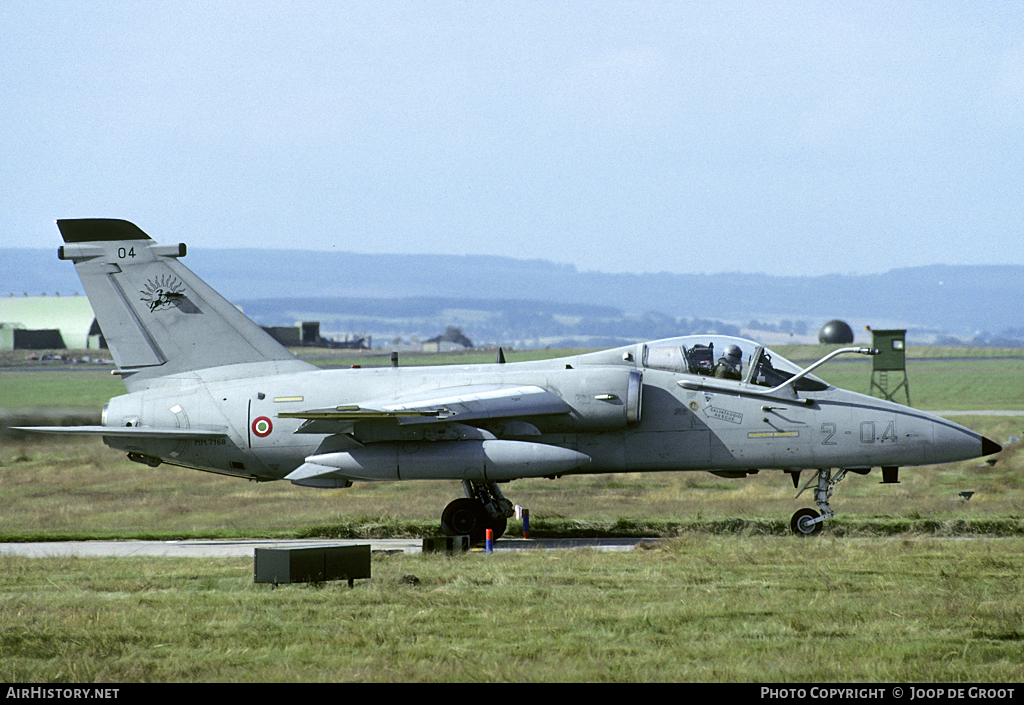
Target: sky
788, 138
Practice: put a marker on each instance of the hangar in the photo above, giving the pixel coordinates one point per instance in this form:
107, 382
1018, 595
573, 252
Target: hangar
48, 322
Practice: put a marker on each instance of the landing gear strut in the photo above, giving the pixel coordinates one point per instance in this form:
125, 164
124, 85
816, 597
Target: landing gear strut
483, 507
806, 522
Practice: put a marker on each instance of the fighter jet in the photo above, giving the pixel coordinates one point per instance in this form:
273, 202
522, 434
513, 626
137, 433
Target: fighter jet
208, 389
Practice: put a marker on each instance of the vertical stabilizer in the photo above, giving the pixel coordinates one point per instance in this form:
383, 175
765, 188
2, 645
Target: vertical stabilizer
157, 316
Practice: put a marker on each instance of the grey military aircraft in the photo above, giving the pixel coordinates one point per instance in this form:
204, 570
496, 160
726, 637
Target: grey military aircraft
208, 389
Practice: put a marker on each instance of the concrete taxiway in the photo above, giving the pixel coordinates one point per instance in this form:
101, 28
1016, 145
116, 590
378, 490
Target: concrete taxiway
246, 548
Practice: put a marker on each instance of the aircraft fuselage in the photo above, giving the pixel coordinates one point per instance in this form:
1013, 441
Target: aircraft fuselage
665, 426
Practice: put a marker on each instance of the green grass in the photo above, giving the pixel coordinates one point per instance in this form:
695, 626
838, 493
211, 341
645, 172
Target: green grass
58, 388
810, 353
698, 608
943, 385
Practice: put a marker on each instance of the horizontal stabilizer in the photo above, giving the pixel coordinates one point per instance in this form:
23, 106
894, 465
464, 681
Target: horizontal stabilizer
129, 431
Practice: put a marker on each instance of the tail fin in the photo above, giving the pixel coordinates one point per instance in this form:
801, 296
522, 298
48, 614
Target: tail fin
157, 316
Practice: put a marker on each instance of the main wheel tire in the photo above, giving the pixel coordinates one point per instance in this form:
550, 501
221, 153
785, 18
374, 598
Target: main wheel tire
803, 523
465, 516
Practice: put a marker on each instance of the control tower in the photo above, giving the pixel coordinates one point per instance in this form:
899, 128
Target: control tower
889, 368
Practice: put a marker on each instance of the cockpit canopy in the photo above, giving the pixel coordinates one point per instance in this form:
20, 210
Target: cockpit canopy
703, 355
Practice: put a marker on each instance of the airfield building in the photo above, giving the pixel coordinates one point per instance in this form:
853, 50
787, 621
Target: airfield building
67, 322
307, 334
48, 322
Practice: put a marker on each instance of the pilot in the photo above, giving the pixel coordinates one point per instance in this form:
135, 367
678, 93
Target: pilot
730, 365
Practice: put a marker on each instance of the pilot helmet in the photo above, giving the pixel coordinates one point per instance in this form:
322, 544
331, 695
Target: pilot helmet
733, 354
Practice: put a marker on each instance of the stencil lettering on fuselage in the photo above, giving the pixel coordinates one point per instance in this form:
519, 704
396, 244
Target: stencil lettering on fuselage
723, 414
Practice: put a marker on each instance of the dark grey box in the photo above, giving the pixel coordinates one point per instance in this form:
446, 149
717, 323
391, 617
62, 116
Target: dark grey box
311, 564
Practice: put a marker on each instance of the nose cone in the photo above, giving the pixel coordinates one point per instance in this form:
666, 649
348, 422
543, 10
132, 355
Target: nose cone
988, 447
953, 442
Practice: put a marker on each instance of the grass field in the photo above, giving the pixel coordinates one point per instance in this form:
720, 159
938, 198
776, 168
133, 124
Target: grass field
890, 592
699, 608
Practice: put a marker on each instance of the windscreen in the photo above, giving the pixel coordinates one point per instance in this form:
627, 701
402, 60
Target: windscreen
771, 370
700, 355
728, 358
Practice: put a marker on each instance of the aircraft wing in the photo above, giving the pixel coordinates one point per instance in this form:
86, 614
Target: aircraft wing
445, 405
129, 431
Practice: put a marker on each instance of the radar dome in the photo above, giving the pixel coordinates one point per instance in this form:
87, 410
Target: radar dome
835, 332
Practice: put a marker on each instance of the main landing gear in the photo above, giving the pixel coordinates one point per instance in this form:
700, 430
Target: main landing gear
483, 507
806, 522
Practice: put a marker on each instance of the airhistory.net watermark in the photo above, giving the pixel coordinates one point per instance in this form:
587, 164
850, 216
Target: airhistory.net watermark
41, 693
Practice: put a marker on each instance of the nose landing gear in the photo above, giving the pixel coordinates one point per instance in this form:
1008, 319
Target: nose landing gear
806, 522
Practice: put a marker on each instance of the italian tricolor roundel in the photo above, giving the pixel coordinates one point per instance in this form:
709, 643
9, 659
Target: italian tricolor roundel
262, 427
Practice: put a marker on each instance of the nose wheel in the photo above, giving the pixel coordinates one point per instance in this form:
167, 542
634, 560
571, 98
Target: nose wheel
804, 522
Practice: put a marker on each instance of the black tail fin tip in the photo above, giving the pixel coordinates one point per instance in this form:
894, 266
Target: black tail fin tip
99, 230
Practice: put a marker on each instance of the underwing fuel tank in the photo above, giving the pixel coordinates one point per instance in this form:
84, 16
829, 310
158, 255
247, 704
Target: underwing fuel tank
489, 461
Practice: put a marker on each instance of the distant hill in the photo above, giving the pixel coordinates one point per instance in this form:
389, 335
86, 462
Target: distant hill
516, 322
349, 288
